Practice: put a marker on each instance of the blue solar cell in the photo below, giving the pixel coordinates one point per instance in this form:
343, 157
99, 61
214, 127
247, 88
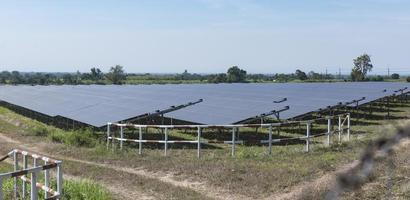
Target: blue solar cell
223, 103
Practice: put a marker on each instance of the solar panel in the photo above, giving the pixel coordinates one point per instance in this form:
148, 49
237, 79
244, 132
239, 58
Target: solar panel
223, 103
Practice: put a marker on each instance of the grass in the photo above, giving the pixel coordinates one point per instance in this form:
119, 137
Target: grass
251, 172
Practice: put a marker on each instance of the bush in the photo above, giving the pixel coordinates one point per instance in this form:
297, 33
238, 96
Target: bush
41, 131
408, 79
395, 76
79, 138
377, 78
57, 136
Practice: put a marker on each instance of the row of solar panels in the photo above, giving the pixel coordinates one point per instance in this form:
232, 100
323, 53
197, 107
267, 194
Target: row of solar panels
222, 103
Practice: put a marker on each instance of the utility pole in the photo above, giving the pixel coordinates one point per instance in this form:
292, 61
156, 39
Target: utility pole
340, 73
388, 71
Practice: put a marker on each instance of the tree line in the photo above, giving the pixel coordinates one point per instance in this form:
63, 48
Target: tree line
117, 75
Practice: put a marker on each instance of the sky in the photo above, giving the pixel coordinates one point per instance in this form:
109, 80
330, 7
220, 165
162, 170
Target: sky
204, 36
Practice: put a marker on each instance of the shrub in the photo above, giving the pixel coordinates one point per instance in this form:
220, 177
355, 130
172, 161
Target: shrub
57, 136
79, 138
395, 76
408, 79
41, 131
377, 78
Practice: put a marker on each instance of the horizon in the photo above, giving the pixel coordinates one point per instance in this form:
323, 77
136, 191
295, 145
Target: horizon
204, 36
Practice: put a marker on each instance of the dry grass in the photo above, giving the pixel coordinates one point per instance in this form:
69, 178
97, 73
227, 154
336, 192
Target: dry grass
251, 173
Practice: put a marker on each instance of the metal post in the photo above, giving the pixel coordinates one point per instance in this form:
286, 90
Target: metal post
233, 142
140, 142
270, 139
46, 180
15, 169
113, 141
24, 182
166, 142
108, 135
388, 107
307, 136
329, 131
199, 142
348, 127
340, 129
121, 136
59, 179
33, 186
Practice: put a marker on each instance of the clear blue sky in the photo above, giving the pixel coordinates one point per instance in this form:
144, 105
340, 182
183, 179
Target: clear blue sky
204, 36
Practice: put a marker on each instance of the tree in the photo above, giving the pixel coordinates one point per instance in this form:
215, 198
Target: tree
68, 79
4, 76
300, 75
16, 78
395, 76
236, 75
362, 65
96, 74
408, 79
116, 75
217, 78
314, 75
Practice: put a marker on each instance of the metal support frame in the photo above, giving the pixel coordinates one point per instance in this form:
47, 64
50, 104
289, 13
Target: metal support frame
33, 174
343, 118
162, 112
261, 116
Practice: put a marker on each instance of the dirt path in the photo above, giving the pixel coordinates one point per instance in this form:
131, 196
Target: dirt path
323, 182
320, 183
199, 187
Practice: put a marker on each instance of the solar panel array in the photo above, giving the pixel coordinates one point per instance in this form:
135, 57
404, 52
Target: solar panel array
222, 103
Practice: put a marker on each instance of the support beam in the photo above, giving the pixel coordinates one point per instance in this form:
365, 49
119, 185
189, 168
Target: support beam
348, 127
59, 178
329, 131
140, 140
166, 142
33, 186
233, 141
270, 140
121, 136
199, 142
340, 129
15, 159
308, 125
108, 134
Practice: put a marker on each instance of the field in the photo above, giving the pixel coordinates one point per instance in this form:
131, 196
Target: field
288, 173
